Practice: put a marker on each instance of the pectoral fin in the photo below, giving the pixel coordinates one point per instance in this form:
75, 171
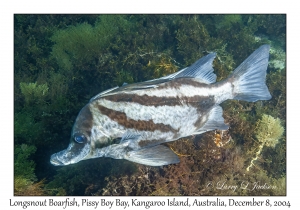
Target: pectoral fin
129, 136
131, 140
153, 156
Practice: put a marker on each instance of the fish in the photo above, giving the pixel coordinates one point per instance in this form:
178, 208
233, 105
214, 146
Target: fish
133, 122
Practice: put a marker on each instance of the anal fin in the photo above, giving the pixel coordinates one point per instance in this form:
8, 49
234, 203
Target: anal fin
158, 155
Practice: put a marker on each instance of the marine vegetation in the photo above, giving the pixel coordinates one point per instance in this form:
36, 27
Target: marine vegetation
269, 131
24, 181
32, 91
62, 61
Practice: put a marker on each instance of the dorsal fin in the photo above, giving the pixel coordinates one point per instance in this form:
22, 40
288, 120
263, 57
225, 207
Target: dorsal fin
201, 69
103, 93
169, 77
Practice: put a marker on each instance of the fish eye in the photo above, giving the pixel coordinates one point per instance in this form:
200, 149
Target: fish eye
79, 138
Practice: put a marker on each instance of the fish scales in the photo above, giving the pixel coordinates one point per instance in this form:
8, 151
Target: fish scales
131, 122
149, 113
115, 122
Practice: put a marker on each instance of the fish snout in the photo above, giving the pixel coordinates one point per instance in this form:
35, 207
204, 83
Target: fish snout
59, 159
73, 154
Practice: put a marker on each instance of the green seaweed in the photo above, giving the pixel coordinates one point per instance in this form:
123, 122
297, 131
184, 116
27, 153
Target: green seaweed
22, 165
61, 61
26, 128
83, 43
269, 131
227, 21
25, 180
33, 92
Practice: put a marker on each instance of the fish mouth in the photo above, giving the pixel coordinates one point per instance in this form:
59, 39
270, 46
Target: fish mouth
55, 160
61, 158
71, 155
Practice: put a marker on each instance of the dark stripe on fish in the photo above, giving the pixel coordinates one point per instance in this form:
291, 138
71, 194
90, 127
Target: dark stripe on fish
199, 123
140, 125
85, 120
184, 81
203, 102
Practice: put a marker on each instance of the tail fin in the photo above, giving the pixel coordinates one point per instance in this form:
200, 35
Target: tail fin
249, 78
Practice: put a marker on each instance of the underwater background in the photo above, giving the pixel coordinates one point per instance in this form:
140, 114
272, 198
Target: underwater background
61, 61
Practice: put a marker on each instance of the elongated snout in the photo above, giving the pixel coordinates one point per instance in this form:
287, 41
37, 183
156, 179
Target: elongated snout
60, 158
73, 154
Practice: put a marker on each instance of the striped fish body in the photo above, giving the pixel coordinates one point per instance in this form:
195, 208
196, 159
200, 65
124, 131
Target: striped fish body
168, 112
131, 122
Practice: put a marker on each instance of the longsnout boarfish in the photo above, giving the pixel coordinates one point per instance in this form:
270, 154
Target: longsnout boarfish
133, 121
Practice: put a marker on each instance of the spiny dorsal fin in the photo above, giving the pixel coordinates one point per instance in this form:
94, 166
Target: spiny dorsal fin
201, 69
169, 77
99, 95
